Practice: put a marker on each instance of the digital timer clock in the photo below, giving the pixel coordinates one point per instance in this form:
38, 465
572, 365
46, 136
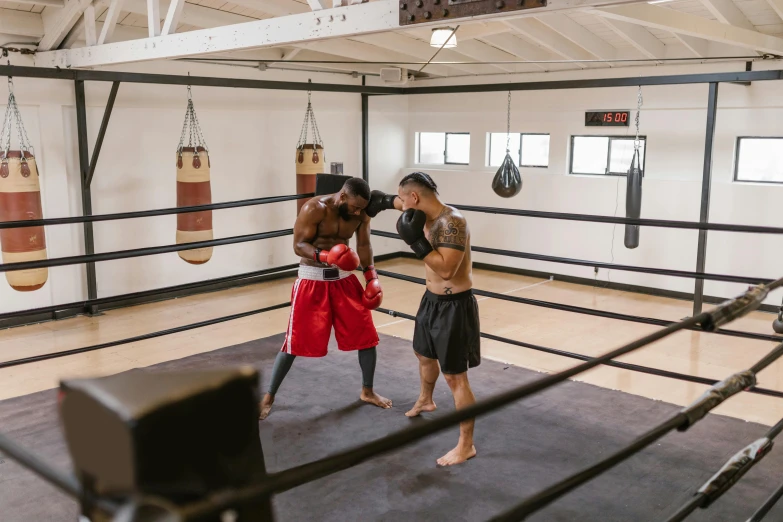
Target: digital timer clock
607, 118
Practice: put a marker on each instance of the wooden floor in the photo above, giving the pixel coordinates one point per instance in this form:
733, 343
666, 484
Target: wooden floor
702, 354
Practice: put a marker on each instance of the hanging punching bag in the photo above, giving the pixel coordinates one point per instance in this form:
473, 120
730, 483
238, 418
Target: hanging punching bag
193, 188
633, 201
20, 199
309, 162
310, 157
507, 182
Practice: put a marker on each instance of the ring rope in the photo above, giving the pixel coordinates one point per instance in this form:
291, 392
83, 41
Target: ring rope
151, 213
682, 421
590, 311
143, 337
600, 264
729, 474
139, 252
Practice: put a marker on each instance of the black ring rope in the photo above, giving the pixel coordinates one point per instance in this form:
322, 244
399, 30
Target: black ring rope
143, 337
616, 364
296, 476
768, 504
729, 474
590, 311
681, 421
151, 213
146, 293
608, 266
138, 252
658, 223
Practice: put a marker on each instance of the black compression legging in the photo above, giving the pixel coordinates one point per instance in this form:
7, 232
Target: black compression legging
283, 362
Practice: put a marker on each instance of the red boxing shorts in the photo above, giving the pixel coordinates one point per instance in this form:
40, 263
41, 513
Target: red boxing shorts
323, 298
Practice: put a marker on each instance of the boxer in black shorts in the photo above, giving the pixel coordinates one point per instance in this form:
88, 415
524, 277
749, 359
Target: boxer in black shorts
447, 324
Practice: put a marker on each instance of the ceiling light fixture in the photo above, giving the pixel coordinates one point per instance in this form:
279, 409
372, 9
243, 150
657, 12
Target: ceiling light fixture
443, 37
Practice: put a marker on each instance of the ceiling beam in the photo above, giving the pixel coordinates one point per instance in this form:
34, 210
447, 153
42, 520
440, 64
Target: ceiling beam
89, 26
549, 39
58, 22
579, 35
172, 17
421, 50
639, 37
21, 23
727, 12
523, 50
112, 15
698, 46
274, 7
777, 6
192, 14
683, 23
482, 52
153, 17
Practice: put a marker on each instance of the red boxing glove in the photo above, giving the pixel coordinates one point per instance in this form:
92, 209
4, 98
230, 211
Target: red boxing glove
373, 293
340, 256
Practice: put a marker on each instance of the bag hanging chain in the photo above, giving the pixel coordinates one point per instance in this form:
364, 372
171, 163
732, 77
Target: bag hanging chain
639, 101
309, 120
12, 113
508, 124
191, 128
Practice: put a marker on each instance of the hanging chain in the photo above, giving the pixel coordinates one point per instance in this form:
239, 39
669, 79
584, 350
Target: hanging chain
508, 124
309, 121
191, 128
639, 102
12, 113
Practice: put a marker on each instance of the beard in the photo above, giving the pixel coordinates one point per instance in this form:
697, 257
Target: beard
342, 210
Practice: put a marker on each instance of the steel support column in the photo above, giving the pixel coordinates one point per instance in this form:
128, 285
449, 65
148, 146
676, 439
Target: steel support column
84, 178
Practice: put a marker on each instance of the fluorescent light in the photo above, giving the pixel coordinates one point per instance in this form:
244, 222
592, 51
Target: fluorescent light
439, 36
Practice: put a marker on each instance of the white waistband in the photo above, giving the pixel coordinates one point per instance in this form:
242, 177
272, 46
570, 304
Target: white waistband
317, 273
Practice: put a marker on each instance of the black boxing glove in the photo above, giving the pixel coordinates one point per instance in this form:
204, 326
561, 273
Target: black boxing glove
378, 202
410, 227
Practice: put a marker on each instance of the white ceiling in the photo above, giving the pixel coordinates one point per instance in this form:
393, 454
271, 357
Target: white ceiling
576, 34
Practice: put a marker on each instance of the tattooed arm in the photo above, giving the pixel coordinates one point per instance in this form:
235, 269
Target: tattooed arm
448, 236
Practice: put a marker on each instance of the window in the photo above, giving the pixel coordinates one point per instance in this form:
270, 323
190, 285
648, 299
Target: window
606, 155
759, 160
528, 150
443, 148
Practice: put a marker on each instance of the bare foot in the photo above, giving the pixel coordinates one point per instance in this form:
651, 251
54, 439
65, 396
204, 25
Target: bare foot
368, 395
266, 406
457, 456
421, 406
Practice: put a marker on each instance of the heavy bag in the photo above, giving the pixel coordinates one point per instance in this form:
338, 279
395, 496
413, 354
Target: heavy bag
507, 182
20, 199
179, 436
193, 188
633, 201
309, 162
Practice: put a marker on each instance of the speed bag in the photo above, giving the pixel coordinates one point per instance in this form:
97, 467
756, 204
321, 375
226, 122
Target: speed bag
507, 182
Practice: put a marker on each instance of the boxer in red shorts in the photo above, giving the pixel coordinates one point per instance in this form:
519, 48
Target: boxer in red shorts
327, 294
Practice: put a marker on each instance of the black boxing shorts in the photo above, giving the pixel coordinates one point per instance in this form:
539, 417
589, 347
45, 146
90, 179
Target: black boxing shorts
447, 329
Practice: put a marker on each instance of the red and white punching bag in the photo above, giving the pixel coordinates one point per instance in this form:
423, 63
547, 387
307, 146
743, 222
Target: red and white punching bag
193, 188
20, 200
310, 157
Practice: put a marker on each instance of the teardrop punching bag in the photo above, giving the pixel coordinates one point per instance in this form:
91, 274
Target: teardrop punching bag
507, 182
310, 157
20, 199
193, 188
633, 201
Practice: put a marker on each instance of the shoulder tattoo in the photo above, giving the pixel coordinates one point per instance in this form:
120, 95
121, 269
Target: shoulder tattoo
449, 231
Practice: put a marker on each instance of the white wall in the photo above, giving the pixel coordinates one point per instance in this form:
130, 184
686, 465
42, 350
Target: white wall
252, 136
673, 119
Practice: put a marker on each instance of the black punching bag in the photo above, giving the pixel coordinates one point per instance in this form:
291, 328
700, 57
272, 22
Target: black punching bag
633, 201
507, 182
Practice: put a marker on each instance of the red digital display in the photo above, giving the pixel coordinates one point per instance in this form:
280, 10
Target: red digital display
607, 118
